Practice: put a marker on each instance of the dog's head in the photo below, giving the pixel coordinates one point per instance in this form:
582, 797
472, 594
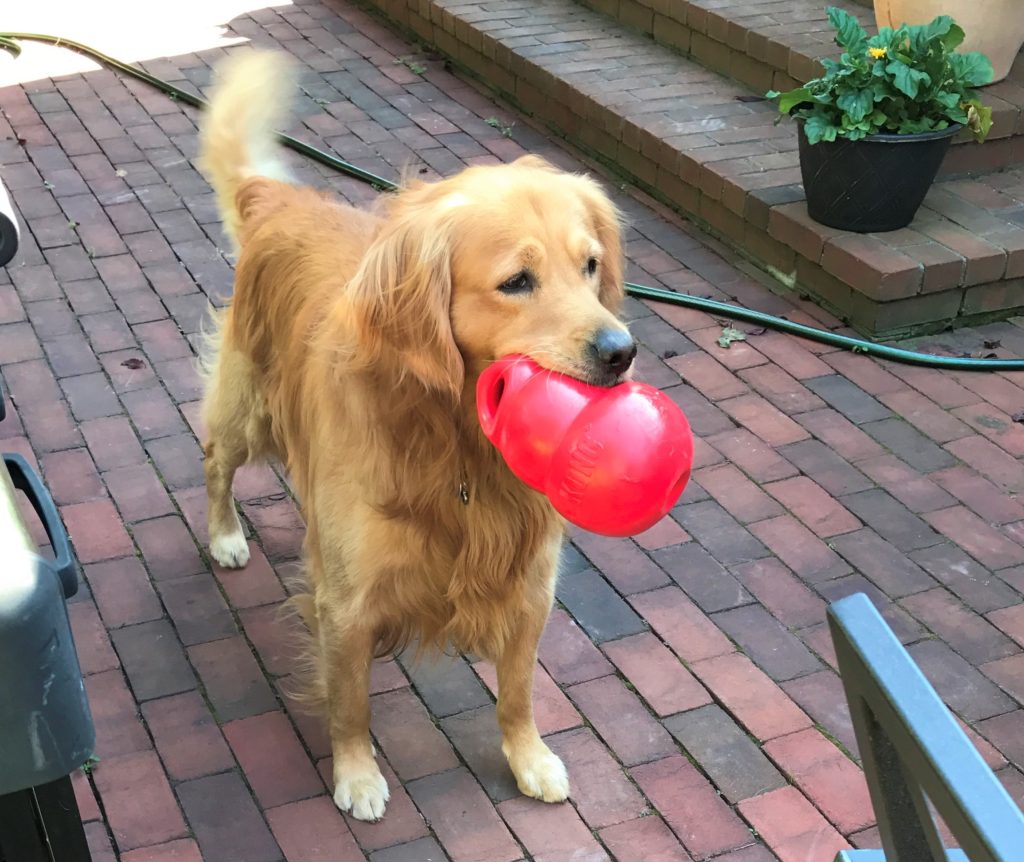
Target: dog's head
520, 258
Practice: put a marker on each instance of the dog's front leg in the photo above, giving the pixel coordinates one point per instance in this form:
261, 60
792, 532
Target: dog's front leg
346, 644
539, 773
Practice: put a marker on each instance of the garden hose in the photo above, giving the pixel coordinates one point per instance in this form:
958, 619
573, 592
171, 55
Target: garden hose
9, 42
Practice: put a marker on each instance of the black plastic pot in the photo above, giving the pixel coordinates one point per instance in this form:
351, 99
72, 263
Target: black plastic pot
872, 185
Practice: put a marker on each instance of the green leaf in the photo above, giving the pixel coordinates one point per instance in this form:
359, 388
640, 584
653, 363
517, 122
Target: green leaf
907, 79
971, 69
946, 99
792, 98
849, 34
819, 128
952, 40
856, 103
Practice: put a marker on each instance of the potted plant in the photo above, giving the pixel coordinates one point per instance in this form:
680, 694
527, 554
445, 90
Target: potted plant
874, 128
994, 27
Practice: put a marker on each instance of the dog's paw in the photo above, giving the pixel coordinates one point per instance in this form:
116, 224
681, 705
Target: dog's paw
231, 551
541, 774
363, 793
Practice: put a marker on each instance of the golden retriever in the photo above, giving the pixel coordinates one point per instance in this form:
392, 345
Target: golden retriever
350, 352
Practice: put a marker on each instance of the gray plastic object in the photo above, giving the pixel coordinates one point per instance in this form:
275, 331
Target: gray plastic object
46, 728
8, 228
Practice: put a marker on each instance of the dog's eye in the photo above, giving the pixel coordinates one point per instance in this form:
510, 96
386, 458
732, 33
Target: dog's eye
521, 282
591, 266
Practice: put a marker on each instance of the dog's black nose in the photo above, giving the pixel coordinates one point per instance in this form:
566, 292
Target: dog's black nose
614, 349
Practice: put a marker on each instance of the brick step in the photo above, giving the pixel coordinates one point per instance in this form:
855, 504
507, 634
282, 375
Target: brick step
775, 44
709, 148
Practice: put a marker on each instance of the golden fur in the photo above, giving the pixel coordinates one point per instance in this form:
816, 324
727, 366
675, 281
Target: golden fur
350, 352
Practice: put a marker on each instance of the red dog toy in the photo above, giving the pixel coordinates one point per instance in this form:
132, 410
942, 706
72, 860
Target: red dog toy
611, 460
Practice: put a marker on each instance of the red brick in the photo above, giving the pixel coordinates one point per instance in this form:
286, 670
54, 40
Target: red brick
138, 492
821, 695
918, 493
791, 354
550, 832
280, 528
187, 737
751, 455
657, 674
681, 624
664, 534
764, 420
744, 500
991, 461
168, 549
832, 781
601, 791
925, 415
707, 376
313, 831
981, 541
698, 816
99, 842
647, 838
463, 818
814, 506
979, 495
628, 568
800, 549
225, 820
234, 682
122, 592
137, 800
153, 413
996, 425
839, 433
621, 720
1011, 621
71, 477
112, 442
275, 764
792, 827
782, 390
967, 632
95, 654
256, 584
115, 716
1009, 674
411, 742
775, 587
88, 807
96, 531
182, 850
866, 372
567, 653
762, 707
552, 709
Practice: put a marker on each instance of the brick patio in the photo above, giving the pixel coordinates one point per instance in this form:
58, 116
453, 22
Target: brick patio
687, 677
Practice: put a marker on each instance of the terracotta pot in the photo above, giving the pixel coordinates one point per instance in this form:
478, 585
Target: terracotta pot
993, 27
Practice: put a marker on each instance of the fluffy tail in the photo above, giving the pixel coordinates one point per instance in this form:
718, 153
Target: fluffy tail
237, 137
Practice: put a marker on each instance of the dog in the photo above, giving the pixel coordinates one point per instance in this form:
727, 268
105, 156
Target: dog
349, 353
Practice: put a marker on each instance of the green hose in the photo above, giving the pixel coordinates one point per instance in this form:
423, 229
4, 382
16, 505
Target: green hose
9, 42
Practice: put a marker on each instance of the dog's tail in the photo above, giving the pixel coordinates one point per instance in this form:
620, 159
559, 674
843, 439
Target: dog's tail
237, 137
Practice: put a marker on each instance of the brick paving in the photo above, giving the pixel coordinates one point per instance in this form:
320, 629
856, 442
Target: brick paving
686, 676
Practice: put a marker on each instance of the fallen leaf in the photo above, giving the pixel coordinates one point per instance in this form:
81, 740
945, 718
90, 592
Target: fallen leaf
992, 344
134, 363
729, 335
1018, 416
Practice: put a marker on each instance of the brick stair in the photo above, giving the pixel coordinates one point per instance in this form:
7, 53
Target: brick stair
775, 44
709, 147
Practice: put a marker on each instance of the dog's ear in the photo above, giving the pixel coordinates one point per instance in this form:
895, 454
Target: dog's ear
402, 293
608, 225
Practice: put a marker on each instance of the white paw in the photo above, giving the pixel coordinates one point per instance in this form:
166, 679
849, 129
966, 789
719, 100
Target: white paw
364, 794
541, 775
231, 551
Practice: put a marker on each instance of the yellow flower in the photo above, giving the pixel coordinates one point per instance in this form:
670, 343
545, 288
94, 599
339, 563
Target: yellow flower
877, 53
